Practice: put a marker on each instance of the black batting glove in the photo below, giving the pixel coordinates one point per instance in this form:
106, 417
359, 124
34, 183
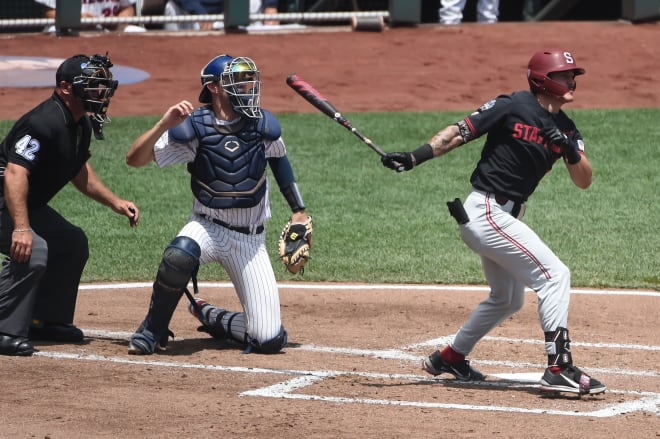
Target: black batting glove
399, 161
568, 148
405, 161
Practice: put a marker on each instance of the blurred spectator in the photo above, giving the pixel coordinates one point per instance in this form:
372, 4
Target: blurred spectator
192, 7
532, 7
97, 8
451, 11
204, 7
265, 7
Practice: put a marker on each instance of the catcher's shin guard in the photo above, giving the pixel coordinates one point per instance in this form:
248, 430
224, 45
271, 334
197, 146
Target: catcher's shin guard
210, 317
179, 264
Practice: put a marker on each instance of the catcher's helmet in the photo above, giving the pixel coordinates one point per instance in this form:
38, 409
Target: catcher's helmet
92, 82
239, 77
546, 62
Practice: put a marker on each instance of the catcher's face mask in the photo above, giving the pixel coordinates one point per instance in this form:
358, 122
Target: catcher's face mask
242, 82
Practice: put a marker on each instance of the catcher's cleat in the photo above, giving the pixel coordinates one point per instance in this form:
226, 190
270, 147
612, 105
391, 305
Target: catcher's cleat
144, 343
461, 370
572, 380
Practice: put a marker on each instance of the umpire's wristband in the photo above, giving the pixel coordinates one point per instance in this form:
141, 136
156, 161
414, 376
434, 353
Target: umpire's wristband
422, 154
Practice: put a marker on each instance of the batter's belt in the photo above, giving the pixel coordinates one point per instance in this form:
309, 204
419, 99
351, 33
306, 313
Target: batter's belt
502, 200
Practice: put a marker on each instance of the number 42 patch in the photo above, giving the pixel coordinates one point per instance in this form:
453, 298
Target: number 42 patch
27, 147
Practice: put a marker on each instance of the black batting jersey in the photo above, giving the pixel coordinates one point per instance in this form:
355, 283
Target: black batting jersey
515, 156
51, 145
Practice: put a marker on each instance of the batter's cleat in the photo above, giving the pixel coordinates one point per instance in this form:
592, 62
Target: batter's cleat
201, 311
572, 380
461, 370
144, 343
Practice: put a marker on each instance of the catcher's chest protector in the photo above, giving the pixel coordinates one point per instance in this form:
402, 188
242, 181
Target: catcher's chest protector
229, 169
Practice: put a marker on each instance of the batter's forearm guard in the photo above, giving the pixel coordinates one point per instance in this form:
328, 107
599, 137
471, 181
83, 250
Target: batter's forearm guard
422, 154
572, 154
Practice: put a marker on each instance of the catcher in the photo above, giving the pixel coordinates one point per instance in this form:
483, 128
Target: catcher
226, 144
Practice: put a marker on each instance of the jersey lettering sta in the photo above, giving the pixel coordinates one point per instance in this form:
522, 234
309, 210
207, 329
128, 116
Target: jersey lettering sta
51, 145
515, 156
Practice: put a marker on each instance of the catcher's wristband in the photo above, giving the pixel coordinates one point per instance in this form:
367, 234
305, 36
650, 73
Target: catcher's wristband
422, 154
293, 197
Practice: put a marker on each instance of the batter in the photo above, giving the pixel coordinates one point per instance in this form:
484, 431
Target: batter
527, 133
226, 145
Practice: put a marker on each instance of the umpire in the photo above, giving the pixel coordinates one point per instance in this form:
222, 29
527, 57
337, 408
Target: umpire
47, 148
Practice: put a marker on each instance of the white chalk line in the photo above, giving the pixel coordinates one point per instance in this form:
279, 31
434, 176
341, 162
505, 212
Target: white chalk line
646, 401
316, 286
402, 355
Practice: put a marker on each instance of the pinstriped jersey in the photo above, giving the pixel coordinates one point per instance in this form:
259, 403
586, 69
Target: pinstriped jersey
169, 150
515, 156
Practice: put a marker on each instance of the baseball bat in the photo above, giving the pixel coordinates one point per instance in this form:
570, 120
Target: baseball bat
314, 97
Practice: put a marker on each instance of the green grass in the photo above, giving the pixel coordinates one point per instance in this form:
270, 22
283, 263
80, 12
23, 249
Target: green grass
374, 225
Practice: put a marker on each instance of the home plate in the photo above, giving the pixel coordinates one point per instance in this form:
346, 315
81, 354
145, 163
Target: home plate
528, 377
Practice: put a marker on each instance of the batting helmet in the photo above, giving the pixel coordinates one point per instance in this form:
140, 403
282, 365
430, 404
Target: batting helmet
92, 82
239, 78
545, 62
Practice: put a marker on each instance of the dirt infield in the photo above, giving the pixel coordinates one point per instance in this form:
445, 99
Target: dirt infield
351, 368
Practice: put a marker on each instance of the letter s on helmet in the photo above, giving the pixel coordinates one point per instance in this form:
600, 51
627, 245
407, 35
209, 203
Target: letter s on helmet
550, 61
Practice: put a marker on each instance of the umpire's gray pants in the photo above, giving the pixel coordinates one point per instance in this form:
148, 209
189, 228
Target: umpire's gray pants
46, 287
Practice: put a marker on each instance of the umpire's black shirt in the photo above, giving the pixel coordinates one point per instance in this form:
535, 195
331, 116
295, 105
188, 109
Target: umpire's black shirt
51, 145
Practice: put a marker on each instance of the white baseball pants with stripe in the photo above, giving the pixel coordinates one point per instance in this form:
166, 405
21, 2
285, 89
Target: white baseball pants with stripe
512, 256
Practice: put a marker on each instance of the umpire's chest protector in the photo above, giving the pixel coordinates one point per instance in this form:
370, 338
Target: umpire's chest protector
229, 169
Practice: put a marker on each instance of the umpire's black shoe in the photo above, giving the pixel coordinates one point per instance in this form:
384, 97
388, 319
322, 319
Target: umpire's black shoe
15, 346
67, 333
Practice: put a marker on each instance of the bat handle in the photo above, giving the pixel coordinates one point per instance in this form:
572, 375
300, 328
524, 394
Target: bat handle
375, 147
366, 140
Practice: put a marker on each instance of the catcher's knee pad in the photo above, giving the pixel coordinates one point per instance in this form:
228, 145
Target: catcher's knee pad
558, 347
180, 263
272, 346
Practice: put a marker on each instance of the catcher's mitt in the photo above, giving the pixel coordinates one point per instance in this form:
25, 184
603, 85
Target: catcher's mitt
294, 244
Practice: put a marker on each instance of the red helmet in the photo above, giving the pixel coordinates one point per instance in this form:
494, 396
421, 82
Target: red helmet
549, 61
